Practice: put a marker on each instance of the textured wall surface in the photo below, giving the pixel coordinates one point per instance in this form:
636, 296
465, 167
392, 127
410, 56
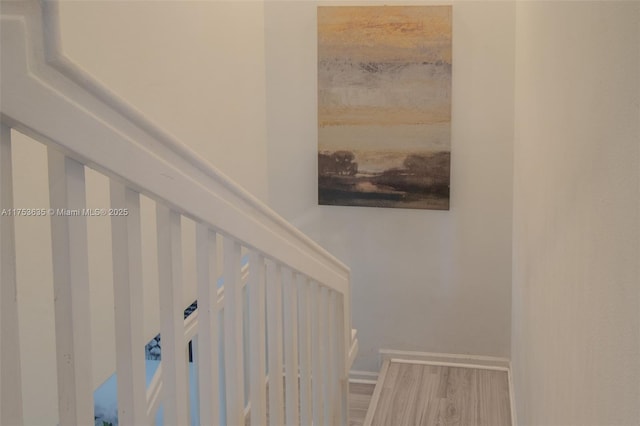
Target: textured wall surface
576, 311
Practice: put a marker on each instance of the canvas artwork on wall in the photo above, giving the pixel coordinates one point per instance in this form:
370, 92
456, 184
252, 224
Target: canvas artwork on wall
384, 106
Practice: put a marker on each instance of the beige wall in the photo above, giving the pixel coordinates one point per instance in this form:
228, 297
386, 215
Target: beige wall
195, 68
576, 280
422, 280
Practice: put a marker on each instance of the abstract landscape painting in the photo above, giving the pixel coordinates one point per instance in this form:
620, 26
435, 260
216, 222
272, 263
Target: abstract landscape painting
384, 106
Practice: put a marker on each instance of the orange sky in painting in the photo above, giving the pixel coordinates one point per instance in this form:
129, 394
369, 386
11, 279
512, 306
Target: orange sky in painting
390, 33
338, 116
384, 66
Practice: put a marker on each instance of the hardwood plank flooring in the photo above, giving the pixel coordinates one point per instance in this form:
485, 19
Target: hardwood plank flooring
359, 399
415, 394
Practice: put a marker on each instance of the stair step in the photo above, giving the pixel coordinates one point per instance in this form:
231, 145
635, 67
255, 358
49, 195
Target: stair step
359, 399
426, 393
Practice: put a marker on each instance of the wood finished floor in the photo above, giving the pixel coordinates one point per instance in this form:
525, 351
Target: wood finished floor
419, 394
359, 399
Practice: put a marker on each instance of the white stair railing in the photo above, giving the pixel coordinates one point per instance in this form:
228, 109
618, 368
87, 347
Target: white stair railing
282, 345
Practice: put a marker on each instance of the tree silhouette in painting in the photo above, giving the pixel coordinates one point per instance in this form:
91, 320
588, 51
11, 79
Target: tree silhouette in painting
338, 163
419, 174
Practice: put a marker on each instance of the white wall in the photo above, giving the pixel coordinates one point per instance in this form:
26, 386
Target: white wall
196, 68
576, 280
422, 280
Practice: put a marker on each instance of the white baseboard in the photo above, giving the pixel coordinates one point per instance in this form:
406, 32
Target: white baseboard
475, 360
359, 376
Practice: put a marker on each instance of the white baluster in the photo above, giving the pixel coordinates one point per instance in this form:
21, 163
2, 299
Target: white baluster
342, 354
208, 362
346, 320
334, 337
71, 290
171, 316
194, 389
325, 351
128, 304
257, 349
291, 348
246, 337
187, 380
317, 359
274, 333
11, 382
233, 336
304, 312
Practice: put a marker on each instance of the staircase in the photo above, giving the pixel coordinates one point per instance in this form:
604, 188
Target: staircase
281, 322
